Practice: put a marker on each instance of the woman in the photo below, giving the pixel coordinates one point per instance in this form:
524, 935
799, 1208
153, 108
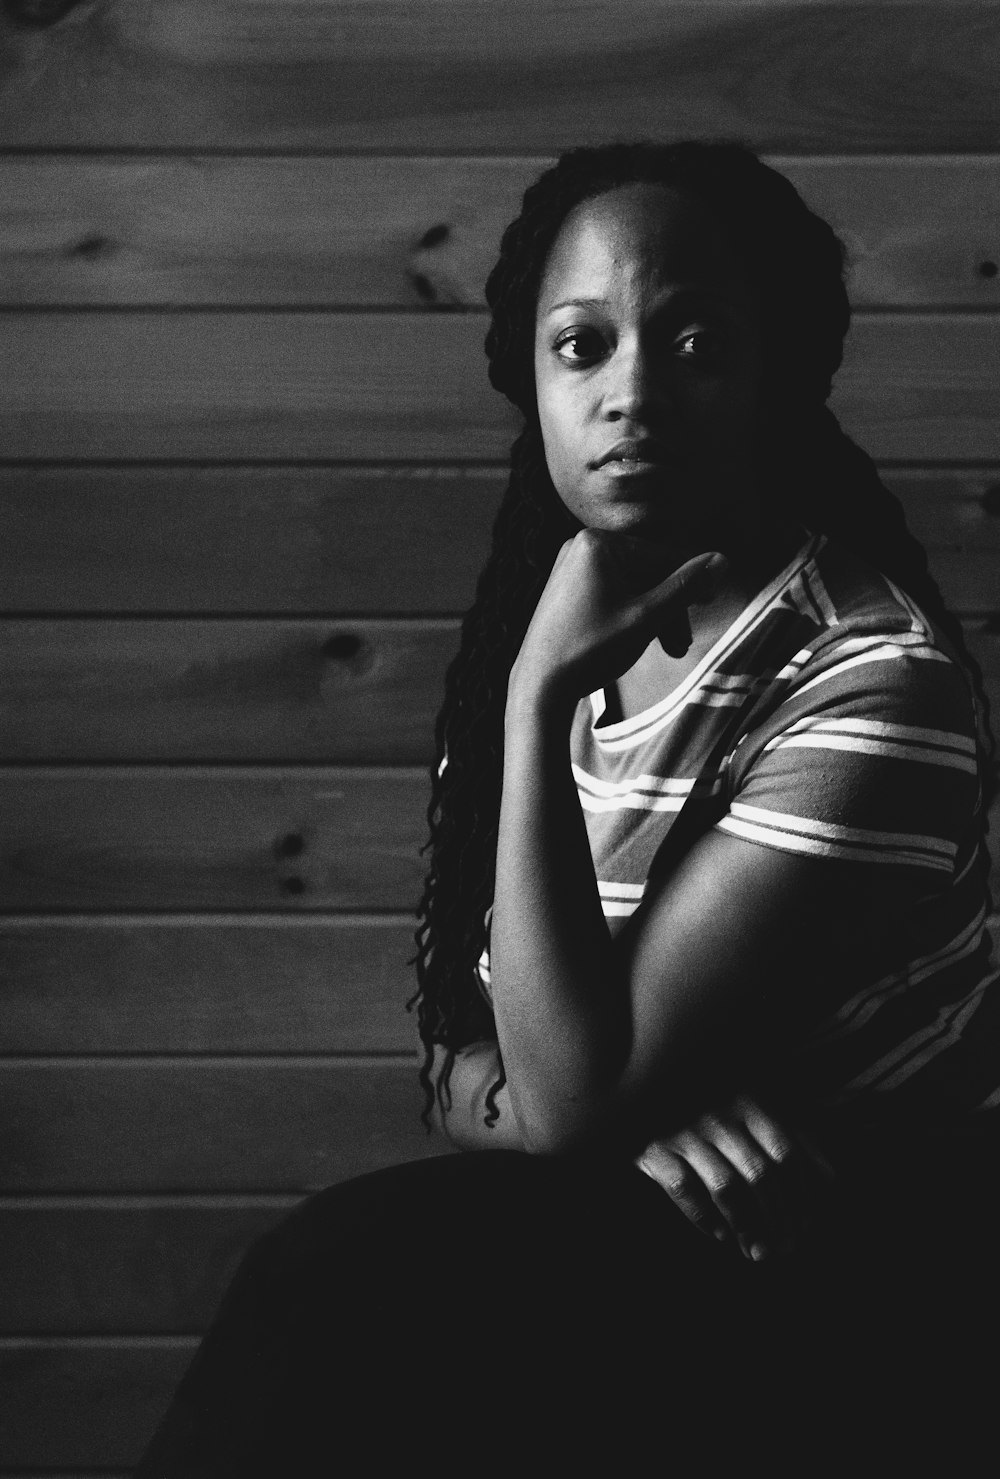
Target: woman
706, 898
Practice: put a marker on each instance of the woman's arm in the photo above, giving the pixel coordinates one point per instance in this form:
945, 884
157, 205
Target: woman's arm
737, 1173
609, 1043
607, 1039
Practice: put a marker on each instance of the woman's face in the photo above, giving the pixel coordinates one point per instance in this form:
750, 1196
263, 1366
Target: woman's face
647, 371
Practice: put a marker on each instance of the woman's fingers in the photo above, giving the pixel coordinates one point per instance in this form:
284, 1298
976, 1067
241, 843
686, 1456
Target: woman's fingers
605, 600
787, 1172
711, 1191
739, 1181
675, 633
685, 1187
756, 1194
739, 1171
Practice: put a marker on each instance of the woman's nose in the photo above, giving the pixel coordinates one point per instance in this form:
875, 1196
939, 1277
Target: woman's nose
631, 388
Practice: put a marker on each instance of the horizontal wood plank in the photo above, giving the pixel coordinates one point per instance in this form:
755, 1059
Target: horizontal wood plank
221, 690
330, 540
420, 232
325, 691
269, 386
918, 232
84, 1405
389, 386
206, 1124
229, 838
214, 839
247, 983
417, 74
339, 540
956, 516
149, 1265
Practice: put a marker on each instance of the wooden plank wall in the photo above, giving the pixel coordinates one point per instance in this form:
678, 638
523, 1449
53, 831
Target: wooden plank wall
249, 463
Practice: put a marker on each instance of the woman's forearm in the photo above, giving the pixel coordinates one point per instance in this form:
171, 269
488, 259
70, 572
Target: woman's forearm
562, 1016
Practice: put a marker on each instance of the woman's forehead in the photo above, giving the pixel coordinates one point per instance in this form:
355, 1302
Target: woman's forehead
640, 230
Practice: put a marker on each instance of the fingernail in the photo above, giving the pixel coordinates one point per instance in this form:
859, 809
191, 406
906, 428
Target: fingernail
720, 1235
706, 582
758, 1252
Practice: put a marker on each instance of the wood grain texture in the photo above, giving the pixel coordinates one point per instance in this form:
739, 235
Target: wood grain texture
339, 540
922, 387
183, 984
363, 692
226, 838
270, 386
512, 76
420, 232
248, 983
918, 232
142, 838
151, 1264
206, 1124
330, 540
407, 386
84, 1405
956, 515
238, 691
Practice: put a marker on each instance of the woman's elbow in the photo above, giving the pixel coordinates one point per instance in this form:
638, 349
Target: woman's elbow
591, 1124
554, 1130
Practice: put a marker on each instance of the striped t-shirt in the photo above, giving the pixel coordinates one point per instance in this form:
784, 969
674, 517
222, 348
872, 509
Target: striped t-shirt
830, 719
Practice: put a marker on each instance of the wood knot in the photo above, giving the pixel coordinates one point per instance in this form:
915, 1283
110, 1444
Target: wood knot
290, 846
342, 646
991, 500
425, 289
434, 236
90, 247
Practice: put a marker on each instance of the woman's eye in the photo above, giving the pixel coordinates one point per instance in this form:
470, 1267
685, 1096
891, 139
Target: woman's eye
579, 346
699, 344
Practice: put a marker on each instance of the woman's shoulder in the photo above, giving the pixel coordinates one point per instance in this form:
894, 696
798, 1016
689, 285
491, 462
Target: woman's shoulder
850, 595
874, 696
870, 634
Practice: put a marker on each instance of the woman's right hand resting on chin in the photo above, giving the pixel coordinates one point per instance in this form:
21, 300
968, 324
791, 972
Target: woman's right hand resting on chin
737, 1173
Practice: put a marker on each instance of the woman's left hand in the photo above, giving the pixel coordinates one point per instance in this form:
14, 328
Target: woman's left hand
740, 1175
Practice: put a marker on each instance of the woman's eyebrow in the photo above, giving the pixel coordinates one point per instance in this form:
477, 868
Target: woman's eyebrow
695, 295
680, 294
578, 303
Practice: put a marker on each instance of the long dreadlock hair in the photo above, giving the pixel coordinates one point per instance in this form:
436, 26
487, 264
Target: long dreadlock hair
810, 471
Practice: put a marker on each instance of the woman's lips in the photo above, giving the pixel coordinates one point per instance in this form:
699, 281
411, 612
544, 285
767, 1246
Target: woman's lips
633, 457
632, 467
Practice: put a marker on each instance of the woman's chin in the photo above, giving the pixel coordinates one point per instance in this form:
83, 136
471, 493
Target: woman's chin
655, 524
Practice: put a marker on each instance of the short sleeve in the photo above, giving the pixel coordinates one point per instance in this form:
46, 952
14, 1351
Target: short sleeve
872, 759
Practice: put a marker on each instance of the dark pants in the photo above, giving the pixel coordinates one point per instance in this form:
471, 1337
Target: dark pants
538, 1313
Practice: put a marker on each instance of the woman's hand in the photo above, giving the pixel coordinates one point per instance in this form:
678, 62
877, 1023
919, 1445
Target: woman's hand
604, 602
739, 1175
